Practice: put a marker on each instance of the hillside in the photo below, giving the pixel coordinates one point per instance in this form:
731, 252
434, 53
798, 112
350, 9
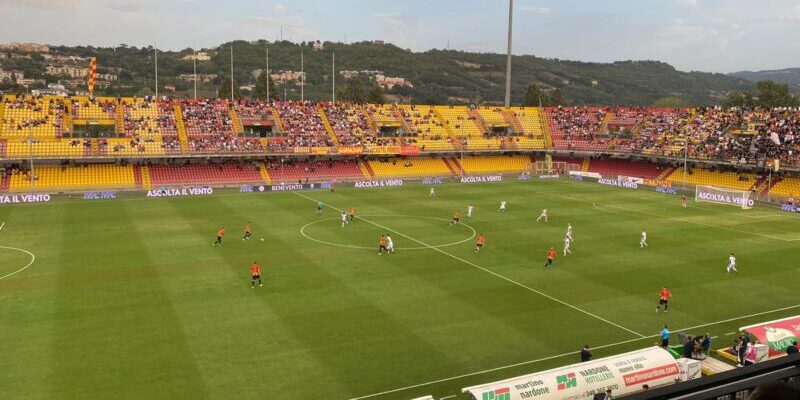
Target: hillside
438, 76
790, 76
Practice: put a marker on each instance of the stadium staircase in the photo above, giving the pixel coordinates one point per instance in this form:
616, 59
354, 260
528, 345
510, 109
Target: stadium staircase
447, 127
236, 122
264, 173
366, 169
147, 183
277, 117
2, 111
772, 185
5, 182
585, 165
120, 120
407, 125
327, 124
95, 147
370, 120
180, 126
665, 173
137, 176
511, 118
478, 120
548, 135
604, 125
3, 147
67, 120
452, 170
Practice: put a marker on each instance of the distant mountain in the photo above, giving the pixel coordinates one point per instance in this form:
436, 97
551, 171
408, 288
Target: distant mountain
790, 76
438, 76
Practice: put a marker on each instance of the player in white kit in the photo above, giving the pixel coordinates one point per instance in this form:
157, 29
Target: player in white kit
643, 241
732, 264
567, 242
344, 219
469, 211
569, 232
502, 206
542, 215
389, 244
432, 193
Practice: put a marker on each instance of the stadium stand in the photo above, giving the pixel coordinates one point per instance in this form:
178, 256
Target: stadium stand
196, 174
576, 128
493, 164
90, 176
410, 167
700, 176
293, 171
30, 116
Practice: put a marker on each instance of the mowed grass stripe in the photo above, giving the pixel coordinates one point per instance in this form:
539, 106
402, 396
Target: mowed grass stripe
117, 334
348, 336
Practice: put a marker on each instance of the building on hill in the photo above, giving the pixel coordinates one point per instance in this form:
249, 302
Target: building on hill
318, 46
204, 78
26, 47
391, 82
199, 56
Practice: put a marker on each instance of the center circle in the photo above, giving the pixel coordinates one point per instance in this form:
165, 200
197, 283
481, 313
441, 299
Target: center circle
18, 259
374, 228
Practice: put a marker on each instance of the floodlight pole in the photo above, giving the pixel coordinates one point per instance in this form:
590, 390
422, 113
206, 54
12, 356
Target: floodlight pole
508, 55
30, 156
194, 65
267, 72
231, 72
302, 78
333, 78
155, 56
685, 158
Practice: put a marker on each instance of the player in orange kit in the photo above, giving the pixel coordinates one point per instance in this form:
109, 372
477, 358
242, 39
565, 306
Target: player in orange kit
551, 255
255, 275
220, 234
479, 242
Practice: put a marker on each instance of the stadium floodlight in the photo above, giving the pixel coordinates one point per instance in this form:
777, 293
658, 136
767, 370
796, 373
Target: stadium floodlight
508, 55
731, 197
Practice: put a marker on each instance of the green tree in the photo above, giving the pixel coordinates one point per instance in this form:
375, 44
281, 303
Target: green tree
771, 94
739, 99
375, 95
671, 102
263, 82
224, 91
556, 98
353, 91
534, 96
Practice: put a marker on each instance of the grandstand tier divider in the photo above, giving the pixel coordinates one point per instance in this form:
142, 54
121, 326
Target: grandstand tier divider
147, 183
264, 173
120, 120
604, 125
180, 126
511, 118
407, 125
366, 169
447, 127
452, 170
237, 123
277, 117
327, 124
370, 121
457, 166
137, 176
477, 118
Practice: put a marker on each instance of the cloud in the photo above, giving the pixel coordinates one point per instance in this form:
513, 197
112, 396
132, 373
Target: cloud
688, 3
42, 4
126, 7
279, 8
537, 10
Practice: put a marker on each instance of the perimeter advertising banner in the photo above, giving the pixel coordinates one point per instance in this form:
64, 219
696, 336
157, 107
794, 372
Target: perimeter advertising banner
25, 198
351, 150
409, 150
623, 374
778, 335
385, 149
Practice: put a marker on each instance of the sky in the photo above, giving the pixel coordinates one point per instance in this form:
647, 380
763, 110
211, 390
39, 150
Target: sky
704, 35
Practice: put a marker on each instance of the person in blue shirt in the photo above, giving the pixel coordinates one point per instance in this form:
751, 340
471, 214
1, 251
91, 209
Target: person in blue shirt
665, 336
319, 208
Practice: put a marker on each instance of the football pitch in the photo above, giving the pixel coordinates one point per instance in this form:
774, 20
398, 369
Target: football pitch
129, 299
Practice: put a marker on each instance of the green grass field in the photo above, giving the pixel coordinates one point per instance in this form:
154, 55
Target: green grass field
128, 298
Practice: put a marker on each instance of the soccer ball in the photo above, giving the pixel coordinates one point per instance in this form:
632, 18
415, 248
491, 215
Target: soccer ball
262, 239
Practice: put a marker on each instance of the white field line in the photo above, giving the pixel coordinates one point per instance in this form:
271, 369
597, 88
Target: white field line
33, 258
489, 271
565, 354
596, 207
2, 225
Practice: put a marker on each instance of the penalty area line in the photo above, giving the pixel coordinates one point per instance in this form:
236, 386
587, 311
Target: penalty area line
2, 225
505, 278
